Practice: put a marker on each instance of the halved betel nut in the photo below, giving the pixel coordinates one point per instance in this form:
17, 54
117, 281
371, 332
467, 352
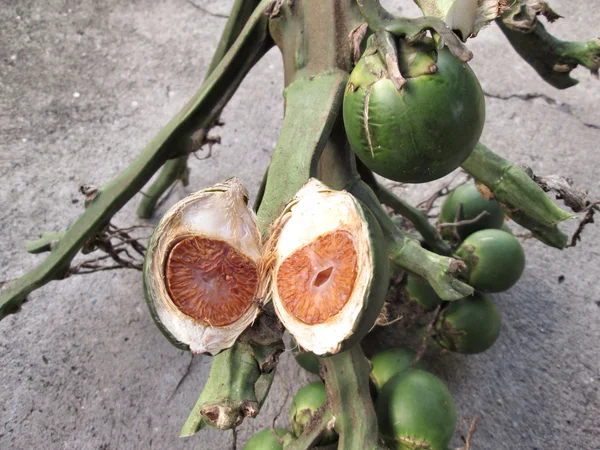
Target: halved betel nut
201, 273
328, 267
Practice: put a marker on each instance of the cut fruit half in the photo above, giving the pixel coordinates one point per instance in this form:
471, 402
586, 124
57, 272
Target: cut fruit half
201, 273
329, 269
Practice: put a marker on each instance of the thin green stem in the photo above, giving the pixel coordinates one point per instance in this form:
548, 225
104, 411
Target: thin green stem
312, 433
405, 253
417, 217
177, 169
172, 171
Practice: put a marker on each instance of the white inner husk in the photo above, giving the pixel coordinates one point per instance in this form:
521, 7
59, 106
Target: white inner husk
219, 212
315, 211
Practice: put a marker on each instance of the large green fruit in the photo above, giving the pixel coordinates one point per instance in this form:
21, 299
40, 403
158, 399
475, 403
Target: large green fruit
469, 325
307, 360
304, 406
419, 291
265, 440
415, 410
425, 130
390, 362
495, 260
473, 204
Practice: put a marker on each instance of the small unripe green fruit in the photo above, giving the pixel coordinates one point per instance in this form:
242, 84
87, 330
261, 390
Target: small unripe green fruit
426, 129
419, 291
265, 440
307, 360
390, 362
469, 325
495, 260
416, 411
304, 406
473, 204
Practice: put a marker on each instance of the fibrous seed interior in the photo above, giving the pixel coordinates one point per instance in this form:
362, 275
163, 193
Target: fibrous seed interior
316, 281
210, 281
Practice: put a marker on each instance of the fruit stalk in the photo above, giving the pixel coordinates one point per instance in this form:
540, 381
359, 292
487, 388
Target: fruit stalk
346, 378
236, 388
406, 253
307, 440
524, 201
172, 141
177, 169
417, 217
379, 19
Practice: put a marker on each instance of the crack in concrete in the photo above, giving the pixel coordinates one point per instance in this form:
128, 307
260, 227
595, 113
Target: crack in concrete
564, 107
206, 11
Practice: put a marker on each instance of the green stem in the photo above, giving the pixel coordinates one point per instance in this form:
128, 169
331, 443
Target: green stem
550, 57
204, 106
229, 393
173, 170
346, 377
177, 169
45, 243
312, 434
379, 19
313, 102
439, 271
524, 201
417, 217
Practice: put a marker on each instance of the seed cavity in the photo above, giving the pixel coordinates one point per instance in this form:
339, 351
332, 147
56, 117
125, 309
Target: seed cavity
316, 281
210, 281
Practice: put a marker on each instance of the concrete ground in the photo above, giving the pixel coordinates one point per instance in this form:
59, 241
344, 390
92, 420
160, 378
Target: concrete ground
83, 87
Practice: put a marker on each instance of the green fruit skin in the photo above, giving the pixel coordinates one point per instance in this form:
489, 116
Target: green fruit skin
376, 292
473, 204
264, 440
150, 296
307, 360
390, 362
469, 325
420, 291
495, 260
421, 133
306, 402
415, 408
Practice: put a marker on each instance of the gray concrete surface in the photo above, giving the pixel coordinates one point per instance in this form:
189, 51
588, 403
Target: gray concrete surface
84, 85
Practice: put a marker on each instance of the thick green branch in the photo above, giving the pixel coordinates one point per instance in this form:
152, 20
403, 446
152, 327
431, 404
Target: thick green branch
314, 103
524, 201
346, 378
550, 57
439, 271
173, 140
177, 169
236, 388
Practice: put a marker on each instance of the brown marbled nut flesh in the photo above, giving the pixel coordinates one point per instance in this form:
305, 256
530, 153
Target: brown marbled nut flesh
315, 282
210, 281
